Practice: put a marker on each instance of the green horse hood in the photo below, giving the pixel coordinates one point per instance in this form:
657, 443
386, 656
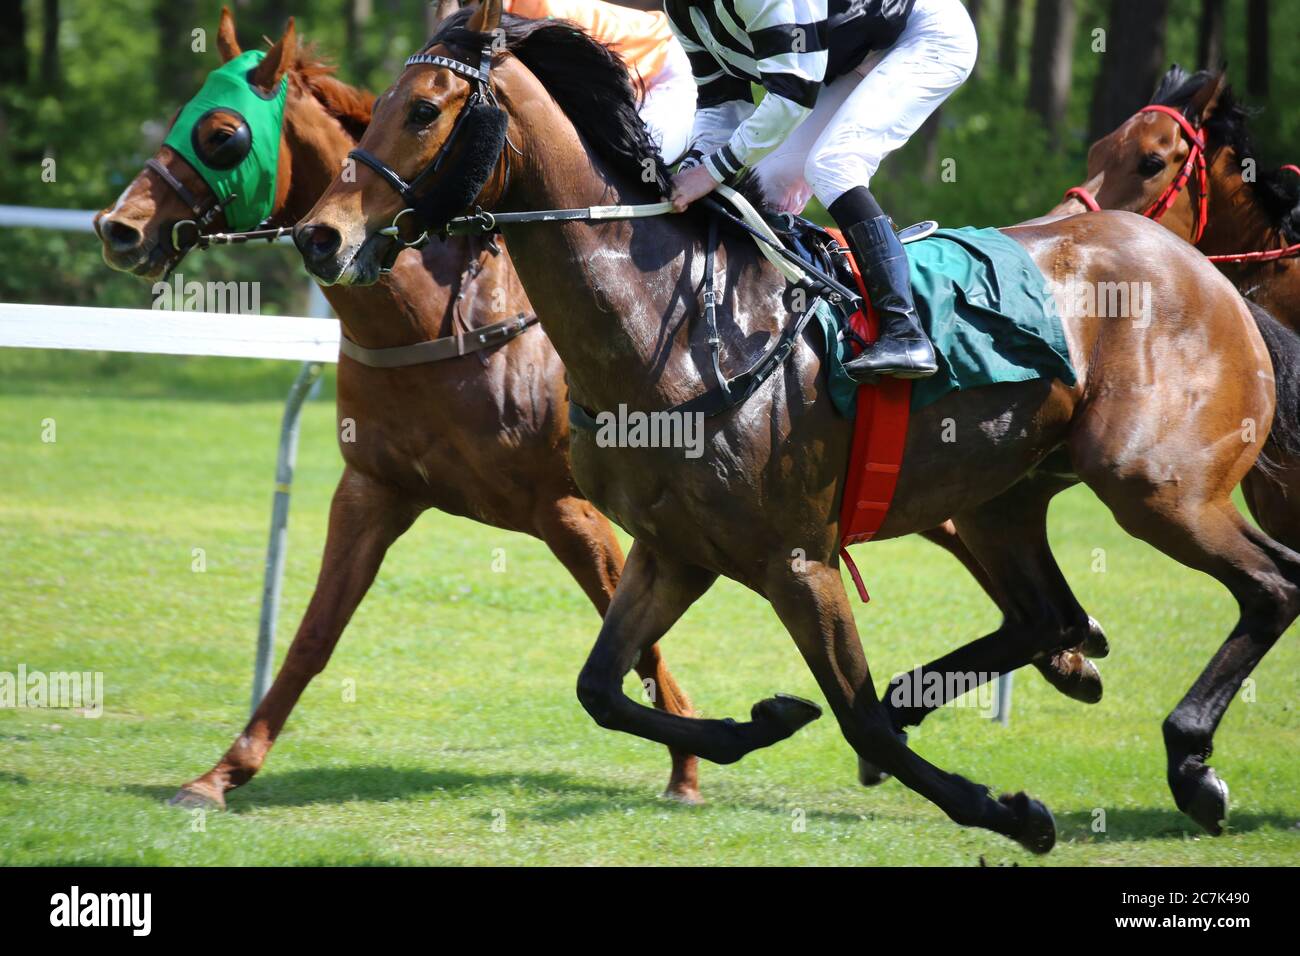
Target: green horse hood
241, 171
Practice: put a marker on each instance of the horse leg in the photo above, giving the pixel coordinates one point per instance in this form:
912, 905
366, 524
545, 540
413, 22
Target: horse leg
653, 594
1068, 669
1042, 619
584, 542
946, 537
1264, 577
366, 517
815, 609
1272, 499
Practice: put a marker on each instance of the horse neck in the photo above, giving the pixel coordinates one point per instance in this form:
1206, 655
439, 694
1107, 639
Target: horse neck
1236, 222
609, 295
406, 306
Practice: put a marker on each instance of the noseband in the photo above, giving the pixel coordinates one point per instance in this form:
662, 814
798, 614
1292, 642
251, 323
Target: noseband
188, 234
485, 121
1195, 163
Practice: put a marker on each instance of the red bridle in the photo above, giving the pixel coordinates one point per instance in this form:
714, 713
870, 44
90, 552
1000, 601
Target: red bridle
1195, 163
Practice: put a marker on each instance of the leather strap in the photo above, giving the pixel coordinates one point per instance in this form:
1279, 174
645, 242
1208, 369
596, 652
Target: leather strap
177, 186
436, 350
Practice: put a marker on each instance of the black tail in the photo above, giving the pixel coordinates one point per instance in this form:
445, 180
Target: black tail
1284, 349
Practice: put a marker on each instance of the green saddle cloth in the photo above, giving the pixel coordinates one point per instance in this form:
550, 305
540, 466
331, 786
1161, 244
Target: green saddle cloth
985, 306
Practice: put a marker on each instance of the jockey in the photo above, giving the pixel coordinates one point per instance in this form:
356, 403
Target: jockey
847, 82
644, 41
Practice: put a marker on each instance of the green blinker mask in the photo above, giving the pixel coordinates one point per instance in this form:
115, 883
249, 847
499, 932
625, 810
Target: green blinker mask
244, 166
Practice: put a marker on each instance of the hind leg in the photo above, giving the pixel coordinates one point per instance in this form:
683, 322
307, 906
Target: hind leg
815, 609
582, 539
1042, 618
1263, 576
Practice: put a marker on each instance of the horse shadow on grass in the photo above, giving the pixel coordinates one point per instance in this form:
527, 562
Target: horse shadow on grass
563, 796
1143, 824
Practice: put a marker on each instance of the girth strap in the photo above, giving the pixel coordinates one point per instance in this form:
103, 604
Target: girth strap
435, 350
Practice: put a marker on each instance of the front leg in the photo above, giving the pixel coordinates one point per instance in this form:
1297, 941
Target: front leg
366, 517
653, 594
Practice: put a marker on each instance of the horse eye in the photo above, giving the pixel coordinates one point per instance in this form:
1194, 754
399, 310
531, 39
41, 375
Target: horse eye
220, 136
1151, 164
423, 113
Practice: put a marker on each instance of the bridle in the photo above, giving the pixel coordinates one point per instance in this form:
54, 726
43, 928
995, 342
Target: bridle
1195, 163
188, 234
481, 109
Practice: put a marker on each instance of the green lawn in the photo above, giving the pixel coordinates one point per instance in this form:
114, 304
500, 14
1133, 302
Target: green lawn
465, 743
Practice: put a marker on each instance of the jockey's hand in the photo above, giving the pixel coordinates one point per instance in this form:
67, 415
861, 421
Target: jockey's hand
690, 185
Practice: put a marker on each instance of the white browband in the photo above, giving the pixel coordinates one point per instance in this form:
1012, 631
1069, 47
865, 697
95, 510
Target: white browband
464, 69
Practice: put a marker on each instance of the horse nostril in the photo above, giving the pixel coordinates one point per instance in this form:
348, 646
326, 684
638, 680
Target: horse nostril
318, 241
120, 236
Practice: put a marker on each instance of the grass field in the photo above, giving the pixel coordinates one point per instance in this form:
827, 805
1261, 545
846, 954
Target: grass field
465, 743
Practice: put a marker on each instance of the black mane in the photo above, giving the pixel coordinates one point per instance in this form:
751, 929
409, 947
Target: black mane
590, 83
1278, 192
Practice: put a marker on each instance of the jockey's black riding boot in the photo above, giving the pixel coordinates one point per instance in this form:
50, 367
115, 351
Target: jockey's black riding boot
902, 349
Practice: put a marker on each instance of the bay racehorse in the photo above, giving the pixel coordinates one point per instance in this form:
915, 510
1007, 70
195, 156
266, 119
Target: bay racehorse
483, 435
553, 126
1187, 161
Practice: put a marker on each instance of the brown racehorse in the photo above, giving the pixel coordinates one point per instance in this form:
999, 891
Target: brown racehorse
620, 301
1249, 226
484, 440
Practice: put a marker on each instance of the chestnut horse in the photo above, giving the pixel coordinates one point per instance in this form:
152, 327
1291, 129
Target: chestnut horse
484, 439
621, 301
1245, 218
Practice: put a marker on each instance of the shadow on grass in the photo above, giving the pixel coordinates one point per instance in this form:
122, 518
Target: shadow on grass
1141, 824
561, 796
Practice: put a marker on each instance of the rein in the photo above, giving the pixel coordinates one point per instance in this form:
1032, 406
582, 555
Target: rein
1196, 162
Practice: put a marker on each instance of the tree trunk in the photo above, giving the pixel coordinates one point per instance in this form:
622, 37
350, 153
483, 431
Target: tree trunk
1050, 61
13, 45
1257, 66
976, 10
1133, 62
1209, 42
178, 69
51, 74
1009, 39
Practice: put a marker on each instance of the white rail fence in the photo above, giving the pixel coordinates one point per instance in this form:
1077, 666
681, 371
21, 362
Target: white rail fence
312, 341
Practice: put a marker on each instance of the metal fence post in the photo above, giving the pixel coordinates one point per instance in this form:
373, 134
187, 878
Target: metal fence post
304, 386
1003, 706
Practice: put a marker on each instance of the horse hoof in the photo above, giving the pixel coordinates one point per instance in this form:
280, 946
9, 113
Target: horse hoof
1095, 644
869, 775
1207, 803
191, 798
1035, 826
690, 796
786, 712
1071, 673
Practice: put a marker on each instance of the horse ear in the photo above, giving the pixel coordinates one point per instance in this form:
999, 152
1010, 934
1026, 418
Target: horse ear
277, 61
227, 40
1206, 99
486, 18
